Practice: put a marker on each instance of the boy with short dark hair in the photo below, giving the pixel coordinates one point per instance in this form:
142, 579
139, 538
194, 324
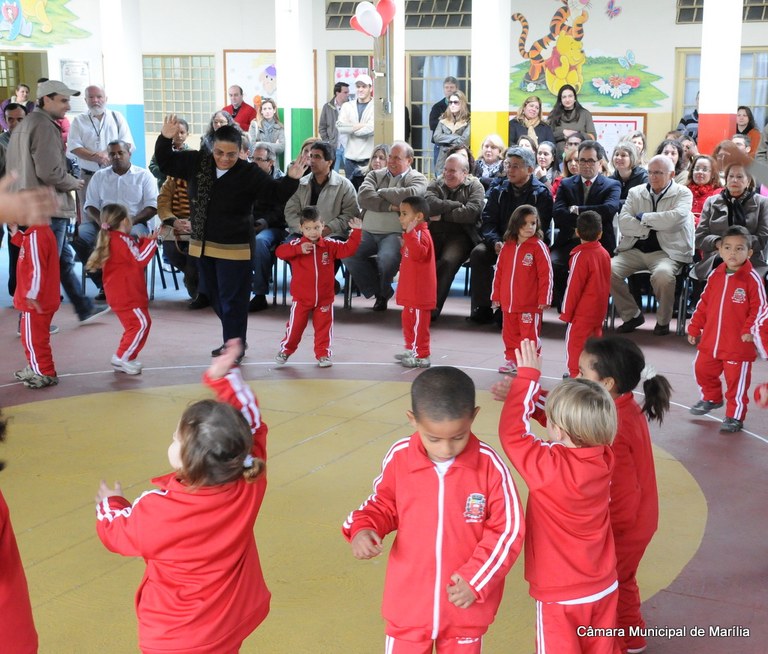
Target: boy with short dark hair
417, 284
38, 297
729, 313
312, 259
589, 286
458, 518
570, 560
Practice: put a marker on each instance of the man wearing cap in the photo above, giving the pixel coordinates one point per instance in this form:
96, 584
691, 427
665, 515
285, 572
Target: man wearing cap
356, 121
36, 154
520, 187
92, 131
242, 112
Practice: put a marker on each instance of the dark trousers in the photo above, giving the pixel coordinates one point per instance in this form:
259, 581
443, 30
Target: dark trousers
560, 255
452, 248
228, 284
482, 259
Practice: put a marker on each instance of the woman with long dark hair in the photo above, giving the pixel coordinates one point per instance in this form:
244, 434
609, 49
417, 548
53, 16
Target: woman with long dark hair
568, 116
745, 124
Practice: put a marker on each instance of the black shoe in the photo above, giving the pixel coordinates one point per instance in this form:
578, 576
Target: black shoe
336, 287
200, 302
220, 350
380, 304
632, 324
97, 311
258, 303
703, 407
434, 315
731, 426
498, 318
481, 316
661, 330
100, 296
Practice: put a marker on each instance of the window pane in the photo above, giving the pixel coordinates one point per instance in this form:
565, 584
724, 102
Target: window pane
692, 65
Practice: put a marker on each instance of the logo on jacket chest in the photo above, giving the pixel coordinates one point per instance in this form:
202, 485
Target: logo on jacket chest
739, 296
474, 511
527, 259
325, 259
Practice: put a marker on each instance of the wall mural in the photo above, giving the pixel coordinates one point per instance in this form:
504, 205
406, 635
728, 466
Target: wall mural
40, 23
559, 57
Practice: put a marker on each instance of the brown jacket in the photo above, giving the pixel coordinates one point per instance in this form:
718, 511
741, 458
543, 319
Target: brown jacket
36, 153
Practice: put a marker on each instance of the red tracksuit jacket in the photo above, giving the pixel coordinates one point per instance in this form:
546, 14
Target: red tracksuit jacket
417, 284
729, 307
472, 516
634, 496
312, 274
589, 284
203, 590
569, 552
124, 283
37, 271
523, 278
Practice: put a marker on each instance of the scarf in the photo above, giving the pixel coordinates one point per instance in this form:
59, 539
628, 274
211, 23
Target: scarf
531, 125
736, 213
199, 209
700, 194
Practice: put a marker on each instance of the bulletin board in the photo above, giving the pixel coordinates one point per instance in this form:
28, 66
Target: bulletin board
612, 127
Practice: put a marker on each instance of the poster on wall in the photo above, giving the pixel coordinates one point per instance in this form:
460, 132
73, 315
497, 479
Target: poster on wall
76, 74
611, 128
253, 70
40, 23
348, 76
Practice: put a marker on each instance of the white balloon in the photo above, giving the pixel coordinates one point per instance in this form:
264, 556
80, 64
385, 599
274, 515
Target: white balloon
371, 22
362, 7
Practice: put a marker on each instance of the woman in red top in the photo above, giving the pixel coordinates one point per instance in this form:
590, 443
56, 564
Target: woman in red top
618, 364
203, 590
522, 285
124, 260
703, 183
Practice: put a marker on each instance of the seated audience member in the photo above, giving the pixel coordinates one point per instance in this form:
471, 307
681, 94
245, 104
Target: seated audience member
122, 183
737, 204
378, 161
673, 149
657, 235
267, 128
379, 198
219, 119
703, 183
590, 190
526, 142
627, 170
520, 187
530, 122
570, 168
173, 210
455, 201
179, 143
269, 228
490, 166
464, 151
546, 170
332, 194
20, 97
742, 142
746, 126
637, 138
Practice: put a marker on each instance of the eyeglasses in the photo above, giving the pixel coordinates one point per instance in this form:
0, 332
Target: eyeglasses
454, 102
259, 159
657, 173
588, 161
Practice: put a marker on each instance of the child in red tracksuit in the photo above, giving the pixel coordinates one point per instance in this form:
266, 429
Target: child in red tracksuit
618, 364
123, 260
312, 283
729, 313
458, 518
38, 297
417, 284
203, 590
522, 285
570, 561
589, 285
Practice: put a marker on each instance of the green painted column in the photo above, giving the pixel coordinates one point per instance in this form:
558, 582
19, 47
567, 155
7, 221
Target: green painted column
302, 127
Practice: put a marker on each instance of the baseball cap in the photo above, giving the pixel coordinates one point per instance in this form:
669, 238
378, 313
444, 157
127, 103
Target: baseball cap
364, 79
54, 86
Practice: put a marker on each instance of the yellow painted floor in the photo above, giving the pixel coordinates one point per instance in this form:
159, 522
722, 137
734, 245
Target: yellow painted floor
326, 442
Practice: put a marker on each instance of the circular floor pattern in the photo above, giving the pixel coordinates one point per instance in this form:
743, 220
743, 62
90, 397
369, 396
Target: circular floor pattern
327, 438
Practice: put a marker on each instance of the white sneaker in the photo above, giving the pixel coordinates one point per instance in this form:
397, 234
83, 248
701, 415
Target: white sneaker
324, 362
281, 358
128, 367
508, 368
403, 355
415, 362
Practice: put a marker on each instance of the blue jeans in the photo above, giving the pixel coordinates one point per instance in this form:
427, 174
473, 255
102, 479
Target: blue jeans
339, 159
261, 258
72, 287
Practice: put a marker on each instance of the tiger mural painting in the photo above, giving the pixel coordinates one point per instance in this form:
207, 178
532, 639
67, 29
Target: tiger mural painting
552, 66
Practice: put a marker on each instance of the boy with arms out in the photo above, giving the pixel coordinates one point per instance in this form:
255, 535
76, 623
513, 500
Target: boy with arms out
570, 561
312, 262
731, 310
589, 285
458, 518
417, 284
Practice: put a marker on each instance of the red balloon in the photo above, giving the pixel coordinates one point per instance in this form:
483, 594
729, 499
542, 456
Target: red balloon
386, 9
355, 25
